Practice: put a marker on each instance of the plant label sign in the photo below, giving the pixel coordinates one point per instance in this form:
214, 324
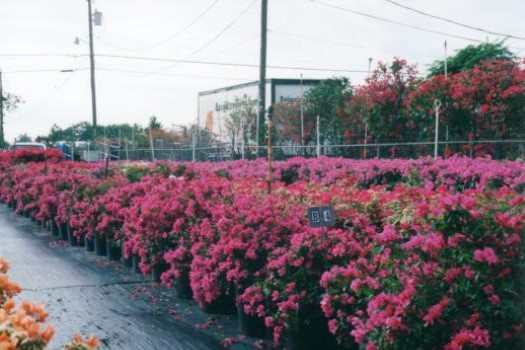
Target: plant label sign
321, 216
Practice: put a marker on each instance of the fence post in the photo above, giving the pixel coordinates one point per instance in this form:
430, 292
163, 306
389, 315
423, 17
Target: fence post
437, 105
151, 146
318, 148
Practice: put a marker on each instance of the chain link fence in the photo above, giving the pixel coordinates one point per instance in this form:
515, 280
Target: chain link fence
497, 149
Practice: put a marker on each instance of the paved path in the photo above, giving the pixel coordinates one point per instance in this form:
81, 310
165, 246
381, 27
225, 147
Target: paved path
89, 295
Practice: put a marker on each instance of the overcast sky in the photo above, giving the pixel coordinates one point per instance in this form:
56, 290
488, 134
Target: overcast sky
302, 33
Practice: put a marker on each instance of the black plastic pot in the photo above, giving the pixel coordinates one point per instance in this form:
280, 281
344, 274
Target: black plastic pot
63, 231
89, 244
312, 332
73, 241
251, 326
113, 249
135, 264
125, 262
100, 245
223, 305
55, 231
182, 284
157, 270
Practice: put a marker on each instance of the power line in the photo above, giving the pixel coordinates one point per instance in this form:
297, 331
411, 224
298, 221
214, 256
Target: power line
212, 63
212, 40
64, 70
395, 22
41, 55
108, 69
455, 22
342, 43
208, 42
224, 30
229, 64
173, 36
49, 97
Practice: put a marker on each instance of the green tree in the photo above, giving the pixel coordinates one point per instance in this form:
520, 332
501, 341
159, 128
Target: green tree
24, 138
135, 134
154, 123
470, 56
8, 103
328, 100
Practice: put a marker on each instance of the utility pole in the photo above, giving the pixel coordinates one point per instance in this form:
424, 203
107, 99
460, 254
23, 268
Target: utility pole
92, 67
262, 72
2, 140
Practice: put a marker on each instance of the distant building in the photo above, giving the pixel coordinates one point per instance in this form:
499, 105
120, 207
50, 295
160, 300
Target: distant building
231, 111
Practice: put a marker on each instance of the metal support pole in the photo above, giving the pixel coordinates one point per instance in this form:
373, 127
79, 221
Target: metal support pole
92, 67
437, 105
193, 141
446, 70
242, 139
318, 148
368, 101
270, 116
151, 146
366, 140
302, 113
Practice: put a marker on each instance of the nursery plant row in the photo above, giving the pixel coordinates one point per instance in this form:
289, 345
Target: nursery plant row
424, 254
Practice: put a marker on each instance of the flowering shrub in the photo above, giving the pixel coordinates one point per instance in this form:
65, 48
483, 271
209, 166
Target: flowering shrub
245, 231
79, 343
434, 277
424, 253
31, 155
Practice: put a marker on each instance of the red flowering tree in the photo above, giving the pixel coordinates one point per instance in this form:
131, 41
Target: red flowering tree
487, 101
382, 102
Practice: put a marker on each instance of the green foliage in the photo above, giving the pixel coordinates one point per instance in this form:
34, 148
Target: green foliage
327, 100
135, 173
471, 55
154, 124
84, 131
23, 138
11, 102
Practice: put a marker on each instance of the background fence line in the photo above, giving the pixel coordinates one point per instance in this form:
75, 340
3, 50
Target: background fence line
497, 149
